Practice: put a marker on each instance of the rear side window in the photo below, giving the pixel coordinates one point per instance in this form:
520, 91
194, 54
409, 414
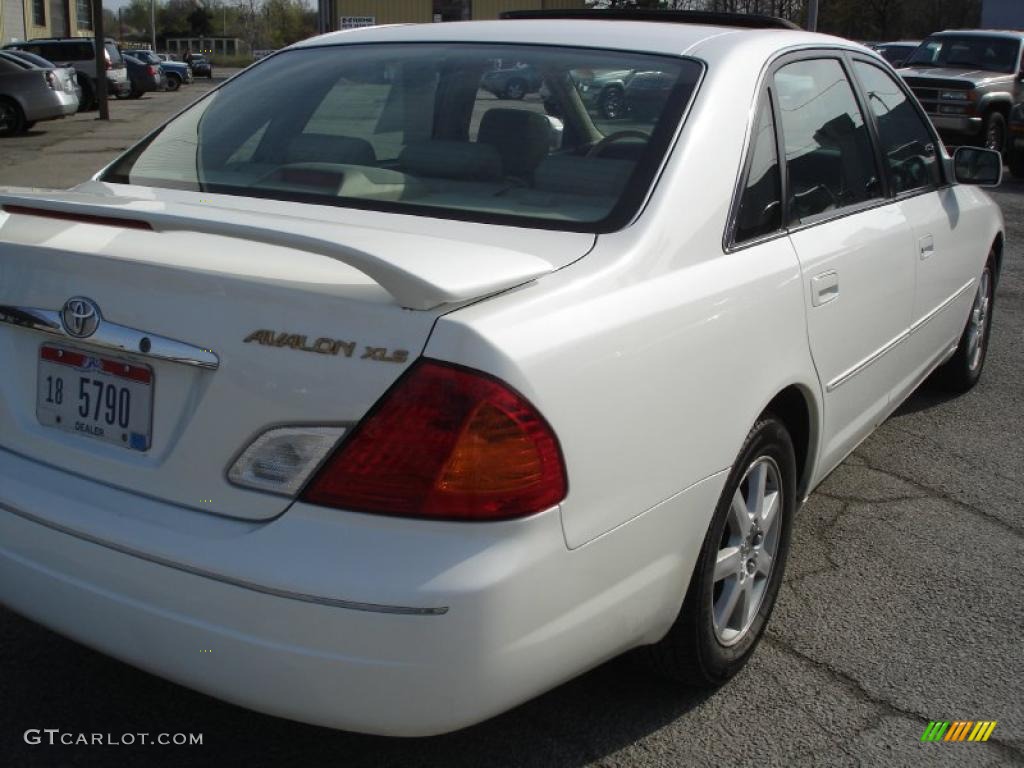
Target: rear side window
907, 144
829, 159
760, 208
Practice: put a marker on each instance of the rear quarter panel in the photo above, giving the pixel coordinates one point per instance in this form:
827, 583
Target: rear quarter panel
653, 355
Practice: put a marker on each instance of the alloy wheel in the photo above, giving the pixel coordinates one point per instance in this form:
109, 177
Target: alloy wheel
977, 323
747, 551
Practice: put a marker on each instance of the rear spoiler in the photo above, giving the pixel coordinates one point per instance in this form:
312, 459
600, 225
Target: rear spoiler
420, 272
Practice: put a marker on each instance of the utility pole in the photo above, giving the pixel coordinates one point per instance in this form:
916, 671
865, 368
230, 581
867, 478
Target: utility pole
812, 15
101, 59
152, 22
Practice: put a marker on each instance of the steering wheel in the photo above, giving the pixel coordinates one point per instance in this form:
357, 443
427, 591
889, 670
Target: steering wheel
598, 148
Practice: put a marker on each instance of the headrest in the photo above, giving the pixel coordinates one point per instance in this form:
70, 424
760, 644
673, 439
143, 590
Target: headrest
522, 138
452, 160
324, 148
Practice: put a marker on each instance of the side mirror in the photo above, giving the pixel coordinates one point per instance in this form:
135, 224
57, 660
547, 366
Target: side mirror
981, 167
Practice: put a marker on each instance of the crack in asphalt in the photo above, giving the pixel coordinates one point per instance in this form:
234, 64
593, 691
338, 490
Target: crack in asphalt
943, 496
863, 694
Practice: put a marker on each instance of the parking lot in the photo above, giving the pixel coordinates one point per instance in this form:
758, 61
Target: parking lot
901, 604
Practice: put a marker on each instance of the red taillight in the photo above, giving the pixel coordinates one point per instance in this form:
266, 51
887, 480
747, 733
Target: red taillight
151, 70
446, 442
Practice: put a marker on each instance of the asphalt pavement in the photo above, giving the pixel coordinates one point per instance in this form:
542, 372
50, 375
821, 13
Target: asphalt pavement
902, 603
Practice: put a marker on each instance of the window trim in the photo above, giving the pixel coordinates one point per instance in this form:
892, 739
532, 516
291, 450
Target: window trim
918, 110
744, 175
765, 84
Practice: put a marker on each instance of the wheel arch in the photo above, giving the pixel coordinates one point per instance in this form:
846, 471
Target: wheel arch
797, 407
997, 250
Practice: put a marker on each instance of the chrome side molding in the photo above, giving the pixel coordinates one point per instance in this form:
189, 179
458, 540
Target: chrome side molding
113, 336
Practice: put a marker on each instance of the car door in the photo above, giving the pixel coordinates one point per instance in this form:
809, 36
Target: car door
854, 245
944, 275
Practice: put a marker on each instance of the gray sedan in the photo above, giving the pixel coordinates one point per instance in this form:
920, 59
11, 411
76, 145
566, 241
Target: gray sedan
29, 94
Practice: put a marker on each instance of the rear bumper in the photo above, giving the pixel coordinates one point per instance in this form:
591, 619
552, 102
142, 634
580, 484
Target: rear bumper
50, 106
370, 624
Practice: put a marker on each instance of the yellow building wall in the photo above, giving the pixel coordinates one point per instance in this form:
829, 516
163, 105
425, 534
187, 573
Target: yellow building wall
33, 30
387, 11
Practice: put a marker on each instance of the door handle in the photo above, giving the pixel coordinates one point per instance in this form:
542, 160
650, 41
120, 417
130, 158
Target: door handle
824, 288
926, 246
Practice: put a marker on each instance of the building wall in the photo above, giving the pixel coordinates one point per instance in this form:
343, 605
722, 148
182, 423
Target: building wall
31, 28
12, 21
1002, 14
385, 11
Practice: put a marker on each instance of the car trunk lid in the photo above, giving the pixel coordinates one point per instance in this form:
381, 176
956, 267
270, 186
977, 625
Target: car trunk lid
283, 318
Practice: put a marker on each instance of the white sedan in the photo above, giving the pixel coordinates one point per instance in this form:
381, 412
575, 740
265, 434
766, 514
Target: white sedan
358, 395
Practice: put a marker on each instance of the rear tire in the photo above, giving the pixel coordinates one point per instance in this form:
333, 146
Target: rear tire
88, 100
963, 370
739, 571
994, 135
12, 119
613, 103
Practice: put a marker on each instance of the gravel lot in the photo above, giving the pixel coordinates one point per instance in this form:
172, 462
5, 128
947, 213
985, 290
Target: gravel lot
902, 602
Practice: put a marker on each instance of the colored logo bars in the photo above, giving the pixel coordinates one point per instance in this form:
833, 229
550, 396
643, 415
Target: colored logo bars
958, 730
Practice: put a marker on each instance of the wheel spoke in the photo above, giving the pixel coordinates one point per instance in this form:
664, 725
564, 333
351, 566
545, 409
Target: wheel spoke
739, 514
749, 603
725, 607
764, 563
755, 489
728, 563
769, 512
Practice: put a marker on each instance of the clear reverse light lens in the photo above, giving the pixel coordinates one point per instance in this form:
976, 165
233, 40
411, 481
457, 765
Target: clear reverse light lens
281, 459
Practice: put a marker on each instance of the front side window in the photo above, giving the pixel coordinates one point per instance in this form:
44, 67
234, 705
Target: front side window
907, 144
488, 132
760, 209
990, 53
829, 159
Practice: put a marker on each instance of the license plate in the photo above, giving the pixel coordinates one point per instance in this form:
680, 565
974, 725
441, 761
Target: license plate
99, 397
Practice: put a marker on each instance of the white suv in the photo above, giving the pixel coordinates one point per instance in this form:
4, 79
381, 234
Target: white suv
409, 402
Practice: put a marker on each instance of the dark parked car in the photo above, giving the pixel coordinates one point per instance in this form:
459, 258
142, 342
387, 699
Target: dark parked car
175, 72
968, 81
144, 77
512, 82
201, 66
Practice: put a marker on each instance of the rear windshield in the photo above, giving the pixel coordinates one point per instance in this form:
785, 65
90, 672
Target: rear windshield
564, 138
113, 53
994, 54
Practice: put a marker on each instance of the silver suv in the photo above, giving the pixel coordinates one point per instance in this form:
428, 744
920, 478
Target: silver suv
79, 52
968, 82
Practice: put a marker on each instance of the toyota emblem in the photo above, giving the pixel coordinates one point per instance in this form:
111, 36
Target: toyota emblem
80, 317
